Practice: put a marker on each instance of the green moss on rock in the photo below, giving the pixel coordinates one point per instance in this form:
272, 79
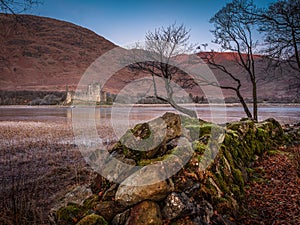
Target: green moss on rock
199, 147
70, 214
194, 131
145, 162
141, 131
186, 120
91, 202
92, 219
221, 183
238, 176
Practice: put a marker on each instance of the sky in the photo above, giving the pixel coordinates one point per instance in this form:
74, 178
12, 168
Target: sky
126, 22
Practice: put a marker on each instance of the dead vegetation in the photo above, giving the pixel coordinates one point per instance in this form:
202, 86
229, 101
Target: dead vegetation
38, 163
273, 195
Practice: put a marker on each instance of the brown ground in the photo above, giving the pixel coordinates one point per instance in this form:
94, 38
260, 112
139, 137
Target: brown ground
273, 196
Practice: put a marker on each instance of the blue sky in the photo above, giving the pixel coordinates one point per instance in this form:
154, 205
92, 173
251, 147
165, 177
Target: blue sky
126, 22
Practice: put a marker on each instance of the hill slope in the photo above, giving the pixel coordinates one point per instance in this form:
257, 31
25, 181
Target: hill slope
38, 53
270, 82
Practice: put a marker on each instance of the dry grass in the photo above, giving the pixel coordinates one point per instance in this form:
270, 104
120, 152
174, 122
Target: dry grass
38, 162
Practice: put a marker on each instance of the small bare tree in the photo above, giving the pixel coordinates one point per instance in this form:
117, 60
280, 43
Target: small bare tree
233, 31
156, 57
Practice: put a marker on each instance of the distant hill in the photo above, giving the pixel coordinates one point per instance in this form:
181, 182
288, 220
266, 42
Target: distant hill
38, 53
272, 83
43, 54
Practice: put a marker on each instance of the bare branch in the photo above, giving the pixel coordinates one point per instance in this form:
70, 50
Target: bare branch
161, 47
16, 7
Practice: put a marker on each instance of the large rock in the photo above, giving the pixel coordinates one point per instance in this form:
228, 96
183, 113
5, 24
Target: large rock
177, 205
108, 209
145, 184
145, 213
72, 201
117, 167
149, 140
121, 218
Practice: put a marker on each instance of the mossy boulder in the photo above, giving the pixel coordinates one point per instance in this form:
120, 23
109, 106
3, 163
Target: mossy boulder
69, 214
72, 212
146, 184
73, 206
92, 219
158, 137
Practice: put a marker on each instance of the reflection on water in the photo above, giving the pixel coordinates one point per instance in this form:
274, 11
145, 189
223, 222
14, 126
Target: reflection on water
283, 113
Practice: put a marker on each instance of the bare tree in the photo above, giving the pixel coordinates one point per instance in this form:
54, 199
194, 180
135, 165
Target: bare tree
17, 6
236, 84
233, 31
280, 23
162, 47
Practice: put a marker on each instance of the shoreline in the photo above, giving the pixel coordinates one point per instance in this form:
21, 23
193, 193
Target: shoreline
146, 105
218, 113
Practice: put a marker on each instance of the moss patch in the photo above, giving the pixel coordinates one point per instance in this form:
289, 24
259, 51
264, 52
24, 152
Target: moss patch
70, 214
92, 219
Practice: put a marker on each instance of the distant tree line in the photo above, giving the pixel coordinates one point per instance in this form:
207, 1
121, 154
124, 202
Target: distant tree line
27, 97
32, 97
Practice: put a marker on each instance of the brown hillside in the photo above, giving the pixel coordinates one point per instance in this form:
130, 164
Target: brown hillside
40, 53
270, 82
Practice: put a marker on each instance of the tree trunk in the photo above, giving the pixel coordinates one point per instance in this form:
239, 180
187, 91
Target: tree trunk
184, 110
170, 100
245, 107
254, 95
296, 48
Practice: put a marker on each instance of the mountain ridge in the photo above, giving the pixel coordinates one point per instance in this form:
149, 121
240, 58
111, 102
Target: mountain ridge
45, 54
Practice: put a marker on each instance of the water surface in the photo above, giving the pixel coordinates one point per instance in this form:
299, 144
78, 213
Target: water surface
284, 113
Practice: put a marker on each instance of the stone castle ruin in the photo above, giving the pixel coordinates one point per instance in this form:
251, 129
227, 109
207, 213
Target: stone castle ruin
93, 94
